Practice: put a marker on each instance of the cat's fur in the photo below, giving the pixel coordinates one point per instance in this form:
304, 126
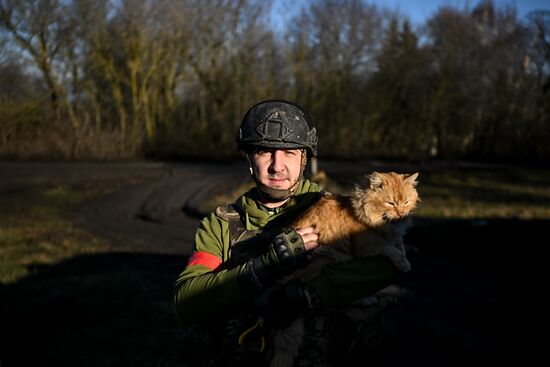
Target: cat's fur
370, 221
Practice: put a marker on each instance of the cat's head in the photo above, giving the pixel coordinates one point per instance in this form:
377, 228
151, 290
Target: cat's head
385, 197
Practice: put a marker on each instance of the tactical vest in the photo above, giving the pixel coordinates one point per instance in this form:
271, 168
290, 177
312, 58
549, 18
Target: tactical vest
233, 215
243, 244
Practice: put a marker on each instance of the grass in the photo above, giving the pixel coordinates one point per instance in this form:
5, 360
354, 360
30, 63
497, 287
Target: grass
69, 299
502, 193
36, 228
497, 192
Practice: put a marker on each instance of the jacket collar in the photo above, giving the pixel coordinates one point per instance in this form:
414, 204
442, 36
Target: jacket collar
257, 215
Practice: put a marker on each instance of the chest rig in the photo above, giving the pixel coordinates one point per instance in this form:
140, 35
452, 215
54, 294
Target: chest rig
243, 244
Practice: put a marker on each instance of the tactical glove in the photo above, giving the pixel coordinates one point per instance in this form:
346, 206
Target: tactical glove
285, 253
279, 306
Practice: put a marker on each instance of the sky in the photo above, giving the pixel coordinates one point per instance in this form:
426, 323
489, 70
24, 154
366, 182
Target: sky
418, 11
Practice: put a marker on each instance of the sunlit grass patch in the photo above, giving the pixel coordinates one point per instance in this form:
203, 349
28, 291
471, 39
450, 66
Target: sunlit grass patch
499, 192
455, 207
36, 228
506, 193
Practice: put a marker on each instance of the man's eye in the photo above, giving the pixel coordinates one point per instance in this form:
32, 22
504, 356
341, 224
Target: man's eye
293, 152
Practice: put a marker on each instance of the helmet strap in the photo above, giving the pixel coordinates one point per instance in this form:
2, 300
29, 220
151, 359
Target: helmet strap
304, 159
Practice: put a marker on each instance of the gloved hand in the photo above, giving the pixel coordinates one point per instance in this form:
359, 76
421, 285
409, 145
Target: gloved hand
281, 305
286, 252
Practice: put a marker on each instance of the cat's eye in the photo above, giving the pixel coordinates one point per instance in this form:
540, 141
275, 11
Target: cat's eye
390, 202
406, 202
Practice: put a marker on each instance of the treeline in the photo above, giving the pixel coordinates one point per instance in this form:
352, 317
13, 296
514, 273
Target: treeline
172, 78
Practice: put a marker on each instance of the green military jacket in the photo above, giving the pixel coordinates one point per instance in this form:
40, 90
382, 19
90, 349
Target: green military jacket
208, 290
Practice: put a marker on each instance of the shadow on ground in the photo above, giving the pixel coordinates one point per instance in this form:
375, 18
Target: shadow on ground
476, 290
109, 309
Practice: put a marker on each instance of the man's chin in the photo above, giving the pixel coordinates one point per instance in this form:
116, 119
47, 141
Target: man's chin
273, 195
278, 184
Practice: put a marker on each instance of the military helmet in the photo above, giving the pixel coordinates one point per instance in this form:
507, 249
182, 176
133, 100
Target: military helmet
277, 124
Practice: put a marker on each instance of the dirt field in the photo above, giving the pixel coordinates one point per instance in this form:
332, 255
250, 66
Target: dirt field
475, 294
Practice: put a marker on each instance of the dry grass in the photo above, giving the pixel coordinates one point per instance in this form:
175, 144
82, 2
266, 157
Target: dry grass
36, 228
68, 299
497, 192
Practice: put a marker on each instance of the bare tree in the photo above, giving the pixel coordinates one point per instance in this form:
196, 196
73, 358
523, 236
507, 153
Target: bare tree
399, 93
539, 51
477, 60
333, 51
537, 63
37, 27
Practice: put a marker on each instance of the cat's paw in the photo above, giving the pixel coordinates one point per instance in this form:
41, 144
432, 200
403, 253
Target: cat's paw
403, 265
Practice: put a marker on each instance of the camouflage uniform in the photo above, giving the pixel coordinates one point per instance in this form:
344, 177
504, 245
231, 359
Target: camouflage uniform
208, 291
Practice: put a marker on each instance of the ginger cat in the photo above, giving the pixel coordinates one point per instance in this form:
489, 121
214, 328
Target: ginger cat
370, 221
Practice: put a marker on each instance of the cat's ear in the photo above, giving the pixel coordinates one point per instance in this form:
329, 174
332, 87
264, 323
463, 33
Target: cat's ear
375, 181
412, 179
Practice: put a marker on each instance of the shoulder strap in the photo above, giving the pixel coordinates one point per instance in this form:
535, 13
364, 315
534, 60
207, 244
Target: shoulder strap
233, 216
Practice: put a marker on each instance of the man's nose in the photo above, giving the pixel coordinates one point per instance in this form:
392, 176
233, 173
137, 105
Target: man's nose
277, 160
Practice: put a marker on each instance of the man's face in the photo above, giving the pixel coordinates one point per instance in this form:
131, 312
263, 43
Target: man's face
277, 168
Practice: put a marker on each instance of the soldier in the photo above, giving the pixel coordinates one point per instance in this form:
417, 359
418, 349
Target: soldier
243, 247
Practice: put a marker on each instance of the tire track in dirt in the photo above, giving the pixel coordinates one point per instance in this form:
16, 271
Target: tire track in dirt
156, 208
161, 215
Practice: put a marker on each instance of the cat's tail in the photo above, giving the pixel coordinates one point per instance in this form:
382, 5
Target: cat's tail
287, 343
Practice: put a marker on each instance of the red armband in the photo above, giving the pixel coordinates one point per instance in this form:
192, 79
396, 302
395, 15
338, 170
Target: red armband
205, 259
